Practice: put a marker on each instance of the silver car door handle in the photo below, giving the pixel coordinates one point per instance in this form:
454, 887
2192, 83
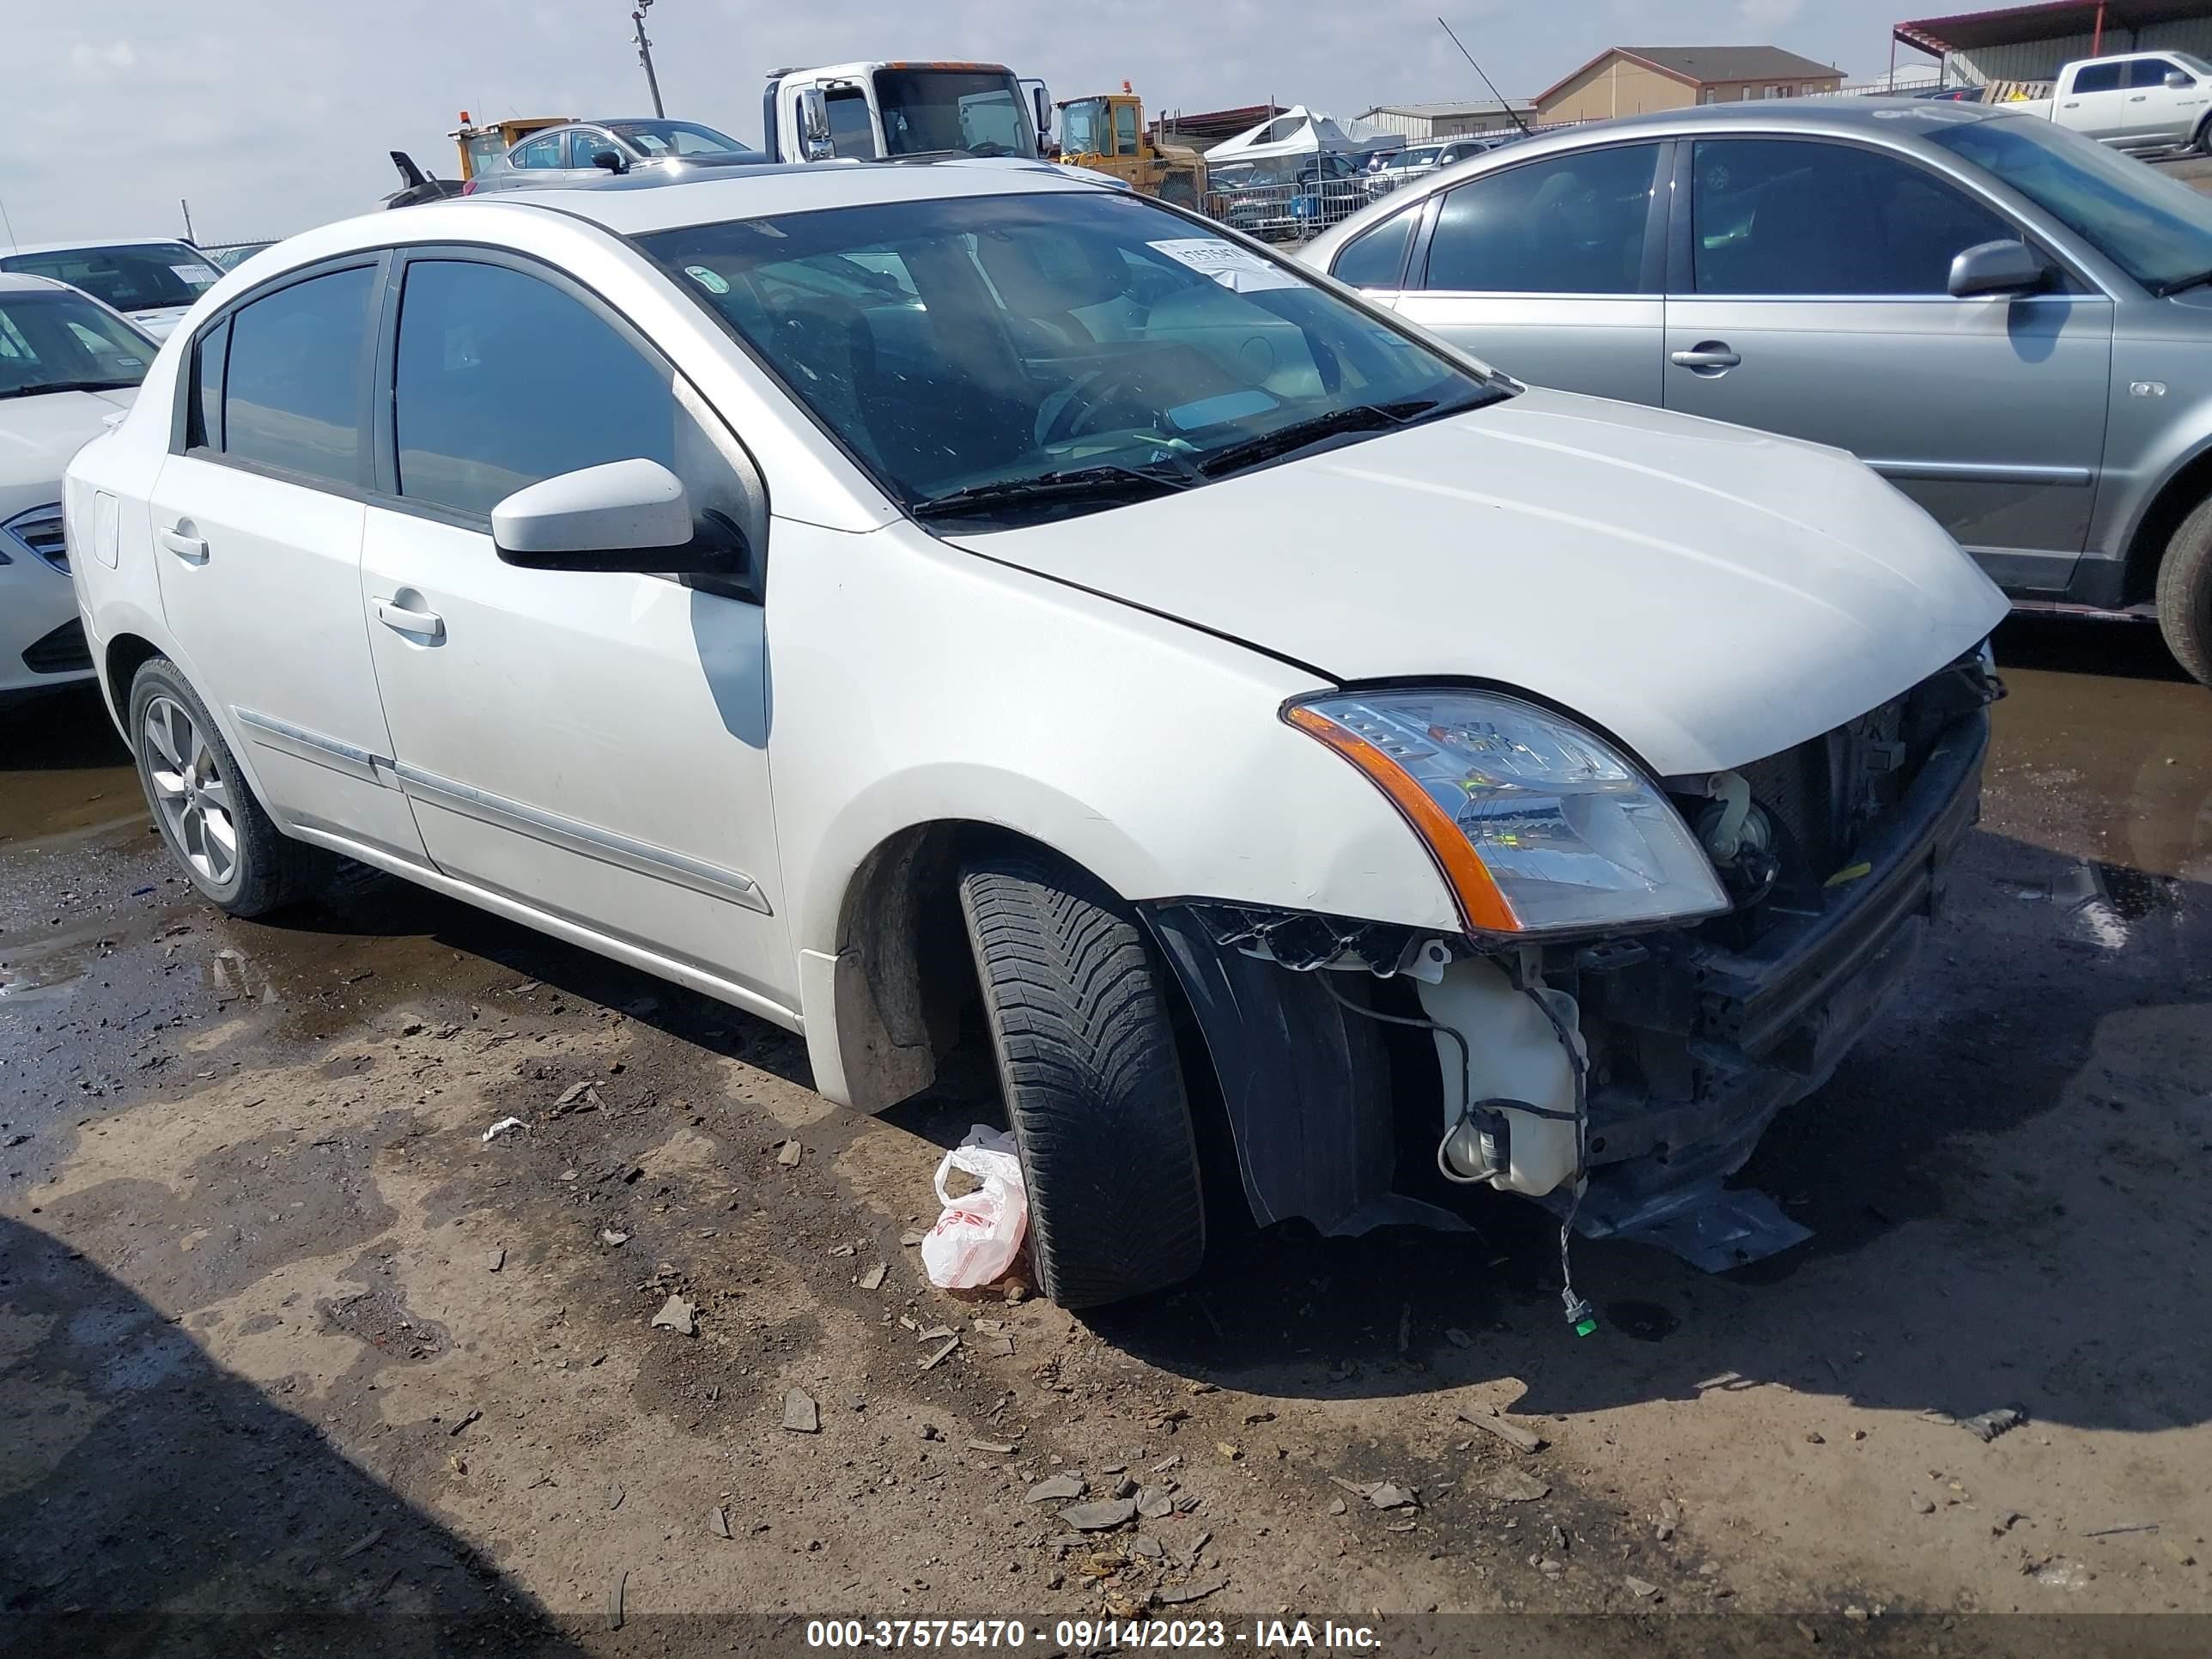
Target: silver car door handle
2138, 97
1710, 355
428, 624
193, 549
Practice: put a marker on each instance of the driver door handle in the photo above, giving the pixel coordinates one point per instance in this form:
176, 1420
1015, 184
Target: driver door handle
1711, 357
423, 624
193, 549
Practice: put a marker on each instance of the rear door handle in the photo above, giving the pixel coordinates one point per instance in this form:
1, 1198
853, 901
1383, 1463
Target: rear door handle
193, 549
1710, 358
423, 624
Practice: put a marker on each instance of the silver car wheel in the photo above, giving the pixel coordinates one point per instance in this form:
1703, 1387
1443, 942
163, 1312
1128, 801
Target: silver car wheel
190, 792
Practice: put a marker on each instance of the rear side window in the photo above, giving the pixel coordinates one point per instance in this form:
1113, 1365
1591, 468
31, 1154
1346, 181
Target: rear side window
1574, 224
298, 370
504, 379
1379, 258
2099, 77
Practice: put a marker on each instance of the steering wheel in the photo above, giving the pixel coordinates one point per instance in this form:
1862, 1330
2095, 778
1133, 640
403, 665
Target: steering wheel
1091, 400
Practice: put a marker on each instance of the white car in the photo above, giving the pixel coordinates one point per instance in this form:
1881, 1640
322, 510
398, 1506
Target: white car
864, 592
67, 367
152, 282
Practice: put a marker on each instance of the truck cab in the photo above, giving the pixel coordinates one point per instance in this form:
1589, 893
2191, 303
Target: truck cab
1107, 133
2138, 100
873, 111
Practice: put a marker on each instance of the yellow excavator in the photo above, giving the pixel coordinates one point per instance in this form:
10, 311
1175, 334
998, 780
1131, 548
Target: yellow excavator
1107, 133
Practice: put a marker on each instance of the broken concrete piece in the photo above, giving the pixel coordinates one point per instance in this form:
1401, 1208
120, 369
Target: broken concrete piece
612, 1239
674, 1315
1513, 1486
1642, 1589
493, 1260
1103, 1515
1148, 1547
1154, 1501
1922, 1505
800, 1414
1384, 1496
873, 1279
1172, 1595
910, 1238
789, 1154
1504, 1428
931, 1362
1338, 1506
615, 1600
718, 1520
1057, 1489
990, 1446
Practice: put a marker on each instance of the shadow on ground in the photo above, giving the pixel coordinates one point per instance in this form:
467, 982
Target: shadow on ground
152, 1503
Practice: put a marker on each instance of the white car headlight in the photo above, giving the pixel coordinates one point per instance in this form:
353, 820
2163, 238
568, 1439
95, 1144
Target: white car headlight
1538, 825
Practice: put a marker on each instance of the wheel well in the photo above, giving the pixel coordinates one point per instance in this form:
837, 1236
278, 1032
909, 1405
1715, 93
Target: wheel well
126, 654
2176, 499
905, 977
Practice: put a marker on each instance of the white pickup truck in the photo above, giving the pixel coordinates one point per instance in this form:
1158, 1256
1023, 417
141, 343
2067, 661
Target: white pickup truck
2139, 101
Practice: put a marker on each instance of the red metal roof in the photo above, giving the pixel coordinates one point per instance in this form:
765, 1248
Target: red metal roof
2048, 19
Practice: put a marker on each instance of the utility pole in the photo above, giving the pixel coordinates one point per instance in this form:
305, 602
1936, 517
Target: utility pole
187, 207
645, 54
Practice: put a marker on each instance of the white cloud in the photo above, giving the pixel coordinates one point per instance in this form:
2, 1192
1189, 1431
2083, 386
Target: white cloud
271, 115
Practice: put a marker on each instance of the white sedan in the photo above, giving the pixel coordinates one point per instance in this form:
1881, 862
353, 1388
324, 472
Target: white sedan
872, 592
68, 366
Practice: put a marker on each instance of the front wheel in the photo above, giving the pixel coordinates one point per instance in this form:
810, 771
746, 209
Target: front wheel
1079, 1016
2185, 592
237, 858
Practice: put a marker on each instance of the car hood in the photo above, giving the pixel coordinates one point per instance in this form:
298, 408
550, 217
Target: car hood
159, 320
39, 435
1707, 594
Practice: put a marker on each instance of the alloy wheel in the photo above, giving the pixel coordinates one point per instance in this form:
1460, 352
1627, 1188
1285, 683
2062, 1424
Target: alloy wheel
190, 792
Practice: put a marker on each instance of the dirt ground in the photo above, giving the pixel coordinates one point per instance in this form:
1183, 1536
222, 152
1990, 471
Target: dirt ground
293, 1359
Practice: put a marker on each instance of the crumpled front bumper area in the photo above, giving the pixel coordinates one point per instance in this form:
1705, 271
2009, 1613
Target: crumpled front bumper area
1696, 1045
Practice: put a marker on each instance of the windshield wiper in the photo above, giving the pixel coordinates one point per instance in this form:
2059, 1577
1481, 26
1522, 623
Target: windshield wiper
2167, 290
1078, 483
1315, 428
44, 387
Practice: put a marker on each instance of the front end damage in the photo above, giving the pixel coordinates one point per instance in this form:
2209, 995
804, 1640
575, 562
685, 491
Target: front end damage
1617, 1079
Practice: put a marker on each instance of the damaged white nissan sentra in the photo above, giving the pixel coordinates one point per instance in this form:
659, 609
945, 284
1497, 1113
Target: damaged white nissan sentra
863, 592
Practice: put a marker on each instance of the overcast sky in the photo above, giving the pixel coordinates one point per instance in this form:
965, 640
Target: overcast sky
273, 115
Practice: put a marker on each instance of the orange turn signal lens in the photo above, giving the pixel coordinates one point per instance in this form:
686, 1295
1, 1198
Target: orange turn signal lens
1482, 907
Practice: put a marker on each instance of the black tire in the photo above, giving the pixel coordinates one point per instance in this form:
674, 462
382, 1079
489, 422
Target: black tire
266, 870
1073, 998
2185, 592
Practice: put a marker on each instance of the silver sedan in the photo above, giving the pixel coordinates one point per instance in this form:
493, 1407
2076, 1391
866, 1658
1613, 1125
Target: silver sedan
2010, 322
586, 153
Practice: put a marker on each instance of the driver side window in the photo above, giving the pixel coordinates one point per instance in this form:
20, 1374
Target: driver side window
539, 153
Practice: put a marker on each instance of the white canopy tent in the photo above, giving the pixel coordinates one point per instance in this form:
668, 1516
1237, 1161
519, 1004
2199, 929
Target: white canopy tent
1295, 134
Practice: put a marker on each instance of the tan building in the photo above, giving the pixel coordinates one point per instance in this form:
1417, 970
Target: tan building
1631, 79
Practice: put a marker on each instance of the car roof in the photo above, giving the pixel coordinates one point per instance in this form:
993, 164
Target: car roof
85, 244
633, 206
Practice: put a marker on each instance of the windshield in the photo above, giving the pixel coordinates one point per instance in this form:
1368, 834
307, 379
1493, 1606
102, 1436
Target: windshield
980, 111
2156, 228
958, 344
143, 277
658, 138
1083, 128
55, 342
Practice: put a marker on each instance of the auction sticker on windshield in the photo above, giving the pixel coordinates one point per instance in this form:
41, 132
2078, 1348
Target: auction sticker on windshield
1237, 268
198, 275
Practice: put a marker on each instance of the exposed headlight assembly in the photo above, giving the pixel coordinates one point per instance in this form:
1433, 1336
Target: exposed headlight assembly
1538, 826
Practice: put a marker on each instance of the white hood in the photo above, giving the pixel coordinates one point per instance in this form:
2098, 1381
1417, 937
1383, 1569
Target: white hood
1708, 594
160, 320
40, 434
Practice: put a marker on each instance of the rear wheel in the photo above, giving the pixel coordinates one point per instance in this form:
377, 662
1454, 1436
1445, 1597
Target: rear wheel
1086, 1056
205, 810
2185, 592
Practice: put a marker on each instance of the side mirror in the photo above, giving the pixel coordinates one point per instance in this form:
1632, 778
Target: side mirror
2178, 81
815, 142
1041, 107
1990, 269
626, 515
610, 159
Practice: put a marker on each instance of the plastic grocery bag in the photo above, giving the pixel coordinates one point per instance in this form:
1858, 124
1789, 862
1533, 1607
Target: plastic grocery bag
979, 1233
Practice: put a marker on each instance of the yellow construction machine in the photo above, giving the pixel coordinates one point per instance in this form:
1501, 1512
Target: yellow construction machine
1107, 133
